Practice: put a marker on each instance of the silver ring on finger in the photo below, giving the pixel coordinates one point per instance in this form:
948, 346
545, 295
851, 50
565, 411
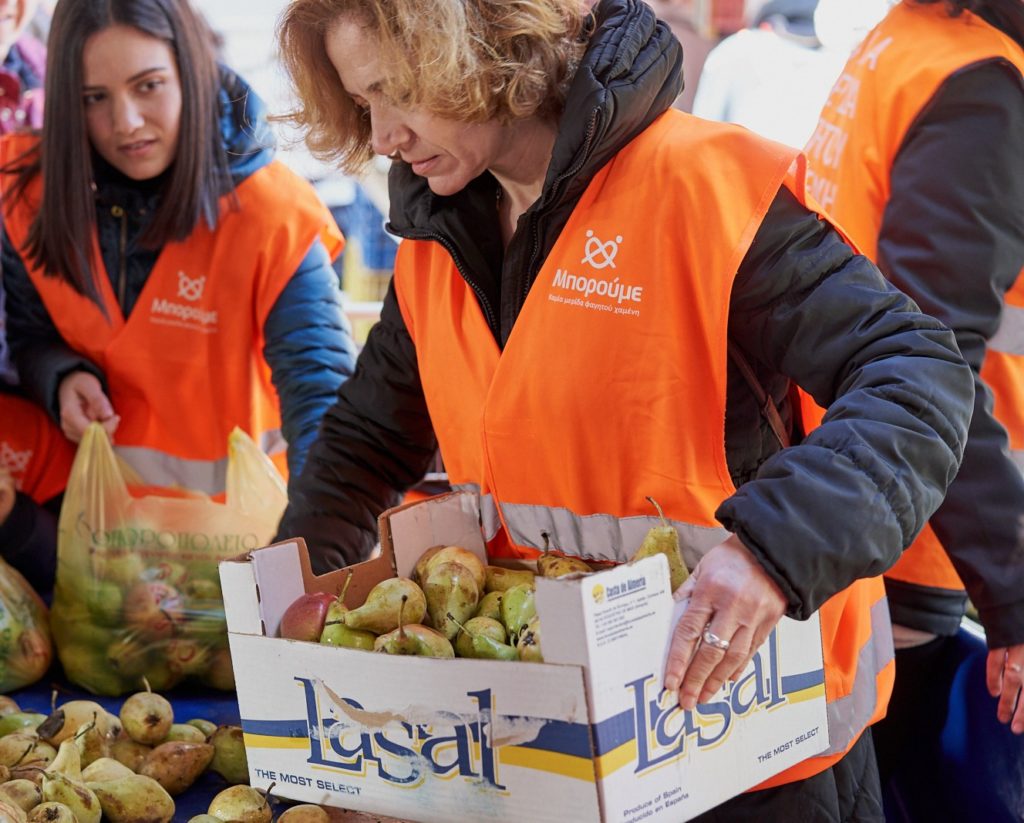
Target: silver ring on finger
713, 640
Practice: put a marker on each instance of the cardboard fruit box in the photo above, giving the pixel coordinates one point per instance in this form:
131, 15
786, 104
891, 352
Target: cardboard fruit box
587, 735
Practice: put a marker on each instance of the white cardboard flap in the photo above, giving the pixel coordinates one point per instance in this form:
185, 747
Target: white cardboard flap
449, 520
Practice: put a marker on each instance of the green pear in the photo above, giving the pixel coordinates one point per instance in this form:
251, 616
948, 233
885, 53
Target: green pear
517, 607
125, 750
241, 804
106, 768
205, 818
186, 732
17, 747
457, 554
305, 813
664, 539
207, 727
483, 638
130, 657
147, 717
552, 564
414, 639
489, 606
20, 720
419, 572
83, 802
103, 602
11, 812
123, 569
379, 614
8, 705
528, 645
229, 760
133, 798
500, 579
65, 721
336, 633
450, 589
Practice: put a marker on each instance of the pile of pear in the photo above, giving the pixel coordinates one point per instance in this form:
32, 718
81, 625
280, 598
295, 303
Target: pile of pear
82, 763
455, 605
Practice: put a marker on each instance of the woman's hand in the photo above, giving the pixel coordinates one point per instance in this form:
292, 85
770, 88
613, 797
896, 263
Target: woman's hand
82, 401
733, 607
1004, 676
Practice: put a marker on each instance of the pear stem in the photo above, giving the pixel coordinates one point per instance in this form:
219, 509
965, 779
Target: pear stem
457, 623
547, 541
344, 588
661, 514
24, 754
86, 729
145, 683
401, 615
53, 701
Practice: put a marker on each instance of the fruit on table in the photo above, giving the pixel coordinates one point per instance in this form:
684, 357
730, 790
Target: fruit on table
23, 793
664, 539
207, 727
452, 595
106, 768
69, 717
176, 765
379, 613
241, 804
11, 812
132, 798
146, 717
51, 813
304, 619
74, 794
305, 813
20, 720
8, 705
229, 760
187, 732
127, 751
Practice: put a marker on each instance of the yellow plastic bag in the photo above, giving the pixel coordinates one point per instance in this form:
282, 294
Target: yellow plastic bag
25, 646
138, 589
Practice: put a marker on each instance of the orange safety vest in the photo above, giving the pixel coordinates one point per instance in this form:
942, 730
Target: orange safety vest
33, 449
612, 385
850, 157
187, 365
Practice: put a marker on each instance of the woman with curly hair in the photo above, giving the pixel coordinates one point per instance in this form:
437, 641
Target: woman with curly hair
598, 298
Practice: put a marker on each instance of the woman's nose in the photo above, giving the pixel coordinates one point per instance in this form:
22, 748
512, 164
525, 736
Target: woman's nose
126, 115
388, 133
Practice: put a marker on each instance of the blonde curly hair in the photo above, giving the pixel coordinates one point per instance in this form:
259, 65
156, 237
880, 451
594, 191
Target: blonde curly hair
466, 60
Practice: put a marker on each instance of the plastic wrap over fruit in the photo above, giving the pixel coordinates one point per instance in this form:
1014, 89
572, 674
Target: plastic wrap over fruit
25, 646
138, 588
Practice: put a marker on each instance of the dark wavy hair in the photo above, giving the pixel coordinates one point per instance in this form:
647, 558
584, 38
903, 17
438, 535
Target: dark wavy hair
60, 240
1005, 15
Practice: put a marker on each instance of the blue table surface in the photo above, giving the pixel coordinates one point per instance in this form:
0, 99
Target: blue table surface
188, 703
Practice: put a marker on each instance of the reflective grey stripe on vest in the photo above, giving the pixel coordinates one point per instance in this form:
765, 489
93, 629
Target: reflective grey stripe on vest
158, 468
848, 715
1017, 456
597, 536
1009, 338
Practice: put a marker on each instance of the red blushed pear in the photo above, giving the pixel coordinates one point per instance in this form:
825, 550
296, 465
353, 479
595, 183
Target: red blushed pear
304, 619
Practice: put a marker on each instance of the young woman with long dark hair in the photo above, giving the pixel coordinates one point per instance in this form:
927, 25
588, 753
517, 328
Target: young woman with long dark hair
165, 276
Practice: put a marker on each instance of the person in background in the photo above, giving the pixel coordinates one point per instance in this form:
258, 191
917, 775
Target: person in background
35, 459
165, 276
771, 77
918, 157
22, 70
679, 14
527, 248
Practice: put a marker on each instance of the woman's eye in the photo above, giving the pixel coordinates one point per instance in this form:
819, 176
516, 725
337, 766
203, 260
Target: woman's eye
92, 98
151, 85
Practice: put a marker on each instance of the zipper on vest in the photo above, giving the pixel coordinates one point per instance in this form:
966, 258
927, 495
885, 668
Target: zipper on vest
122, 267
454, 253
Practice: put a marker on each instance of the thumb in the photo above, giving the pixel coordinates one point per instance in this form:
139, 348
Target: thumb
97, 404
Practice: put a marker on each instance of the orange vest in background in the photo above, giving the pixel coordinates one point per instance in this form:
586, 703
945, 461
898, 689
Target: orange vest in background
187, 365
887, 83
33, 449
612, 385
